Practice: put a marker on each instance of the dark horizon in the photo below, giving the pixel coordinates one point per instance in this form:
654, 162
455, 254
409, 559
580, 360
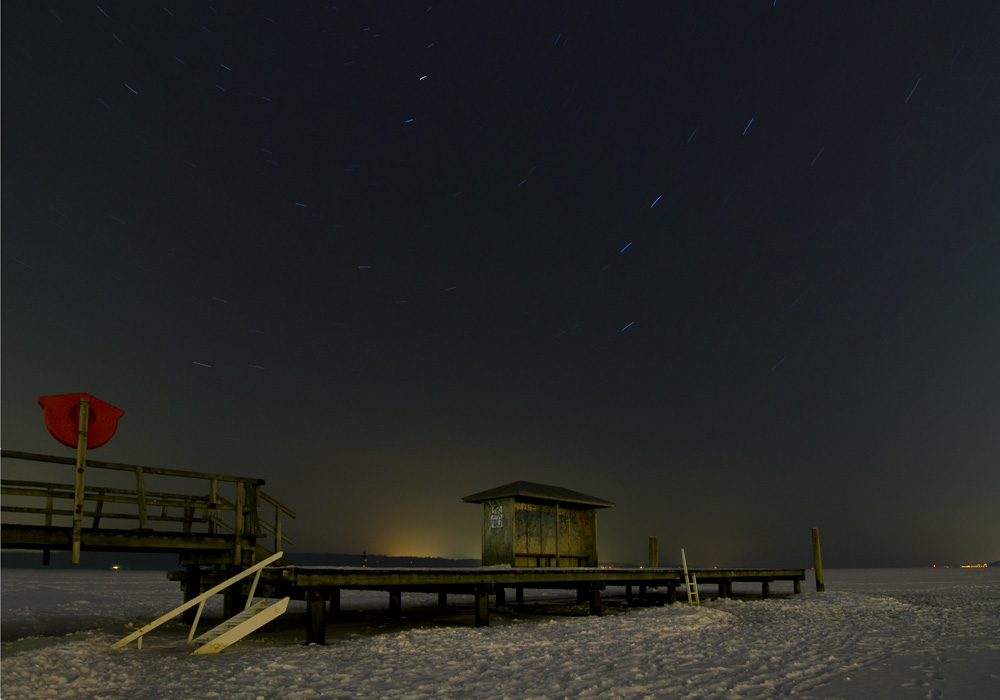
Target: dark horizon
732, 267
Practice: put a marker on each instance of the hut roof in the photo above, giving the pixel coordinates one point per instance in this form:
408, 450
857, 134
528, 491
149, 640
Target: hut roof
538, 492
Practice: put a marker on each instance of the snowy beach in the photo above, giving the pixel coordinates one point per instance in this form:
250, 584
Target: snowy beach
894, 633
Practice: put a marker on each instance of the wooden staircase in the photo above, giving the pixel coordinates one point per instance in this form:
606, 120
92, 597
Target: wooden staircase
232, 630
236, 628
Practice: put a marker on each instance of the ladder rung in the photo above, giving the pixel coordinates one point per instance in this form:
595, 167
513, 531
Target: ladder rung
234, 621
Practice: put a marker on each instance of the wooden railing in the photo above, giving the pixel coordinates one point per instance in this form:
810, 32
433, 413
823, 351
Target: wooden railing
233, 505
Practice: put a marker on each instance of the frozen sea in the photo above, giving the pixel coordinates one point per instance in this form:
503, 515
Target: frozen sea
894, 633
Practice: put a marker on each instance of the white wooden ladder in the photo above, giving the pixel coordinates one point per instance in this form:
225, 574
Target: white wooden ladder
232, 630
691, 582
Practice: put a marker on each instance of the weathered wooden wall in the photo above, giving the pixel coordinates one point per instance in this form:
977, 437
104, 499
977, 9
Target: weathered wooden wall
524, 533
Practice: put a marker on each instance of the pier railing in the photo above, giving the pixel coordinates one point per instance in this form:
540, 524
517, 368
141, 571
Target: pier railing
190, 501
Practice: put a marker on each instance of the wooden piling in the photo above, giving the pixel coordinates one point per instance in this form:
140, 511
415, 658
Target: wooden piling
315, 617
482, 607
595, 602
818, 561
654, 557
192, 589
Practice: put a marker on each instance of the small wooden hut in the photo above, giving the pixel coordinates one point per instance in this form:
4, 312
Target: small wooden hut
535, 525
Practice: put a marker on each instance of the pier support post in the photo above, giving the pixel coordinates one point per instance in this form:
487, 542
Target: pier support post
233, 599
765, 588
796, 586
396, 603
482, 607
519, 595
501, 597
726, 588
595, 602
628, 594
315, 617
334, 602
192, 589
442, 599
818, 561
671, 593
654, 557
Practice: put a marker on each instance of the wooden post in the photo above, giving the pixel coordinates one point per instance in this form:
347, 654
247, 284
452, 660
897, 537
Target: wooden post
213, 506
595, 602
628, 594
334, 602
232, 598
654, 557
192, 589
81, 468
519, 595
482, 607
818, 561
501, 597
442, 599
140, 497
395, 603
557, 534
765, 589
47, 553
253, 511
238, 525
315, 617
278, 534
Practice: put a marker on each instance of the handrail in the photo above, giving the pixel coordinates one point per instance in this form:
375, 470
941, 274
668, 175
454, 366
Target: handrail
200, 602
244, 511
33, 456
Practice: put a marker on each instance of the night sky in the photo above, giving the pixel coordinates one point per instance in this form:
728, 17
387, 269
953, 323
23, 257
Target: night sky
734, 266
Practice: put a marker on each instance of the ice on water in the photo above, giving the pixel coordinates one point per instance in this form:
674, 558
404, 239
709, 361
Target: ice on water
874, 634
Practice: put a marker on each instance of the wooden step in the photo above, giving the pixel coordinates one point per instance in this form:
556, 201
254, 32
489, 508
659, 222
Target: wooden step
237, 627
232, 622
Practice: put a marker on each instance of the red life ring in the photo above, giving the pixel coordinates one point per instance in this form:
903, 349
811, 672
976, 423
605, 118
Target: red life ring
62, 417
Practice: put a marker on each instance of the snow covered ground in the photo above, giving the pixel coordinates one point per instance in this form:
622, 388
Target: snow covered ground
899, 633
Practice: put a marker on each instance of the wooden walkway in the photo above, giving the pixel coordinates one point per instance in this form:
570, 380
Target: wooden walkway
320, 587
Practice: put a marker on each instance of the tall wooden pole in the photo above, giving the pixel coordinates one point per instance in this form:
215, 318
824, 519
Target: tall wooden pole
654, 557
818, 561
81, 468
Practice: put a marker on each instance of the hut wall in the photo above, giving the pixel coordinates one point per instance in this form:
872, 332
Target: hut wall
535, 537
498, 532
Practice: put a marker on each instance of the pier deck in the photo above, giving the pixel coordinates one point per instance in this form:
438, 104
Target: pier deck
320, 587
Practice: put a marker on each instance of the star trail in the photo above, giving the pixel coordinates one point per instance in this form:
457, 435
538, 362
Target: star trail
734, 269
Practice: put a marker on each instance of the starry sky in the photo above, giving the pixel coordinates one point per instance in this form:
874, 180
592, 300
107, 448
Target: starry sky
734, 266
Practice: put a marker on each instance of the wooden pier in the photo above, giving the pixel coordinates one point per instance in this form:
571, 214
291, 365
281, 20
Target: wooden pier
320, 587
219, 524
